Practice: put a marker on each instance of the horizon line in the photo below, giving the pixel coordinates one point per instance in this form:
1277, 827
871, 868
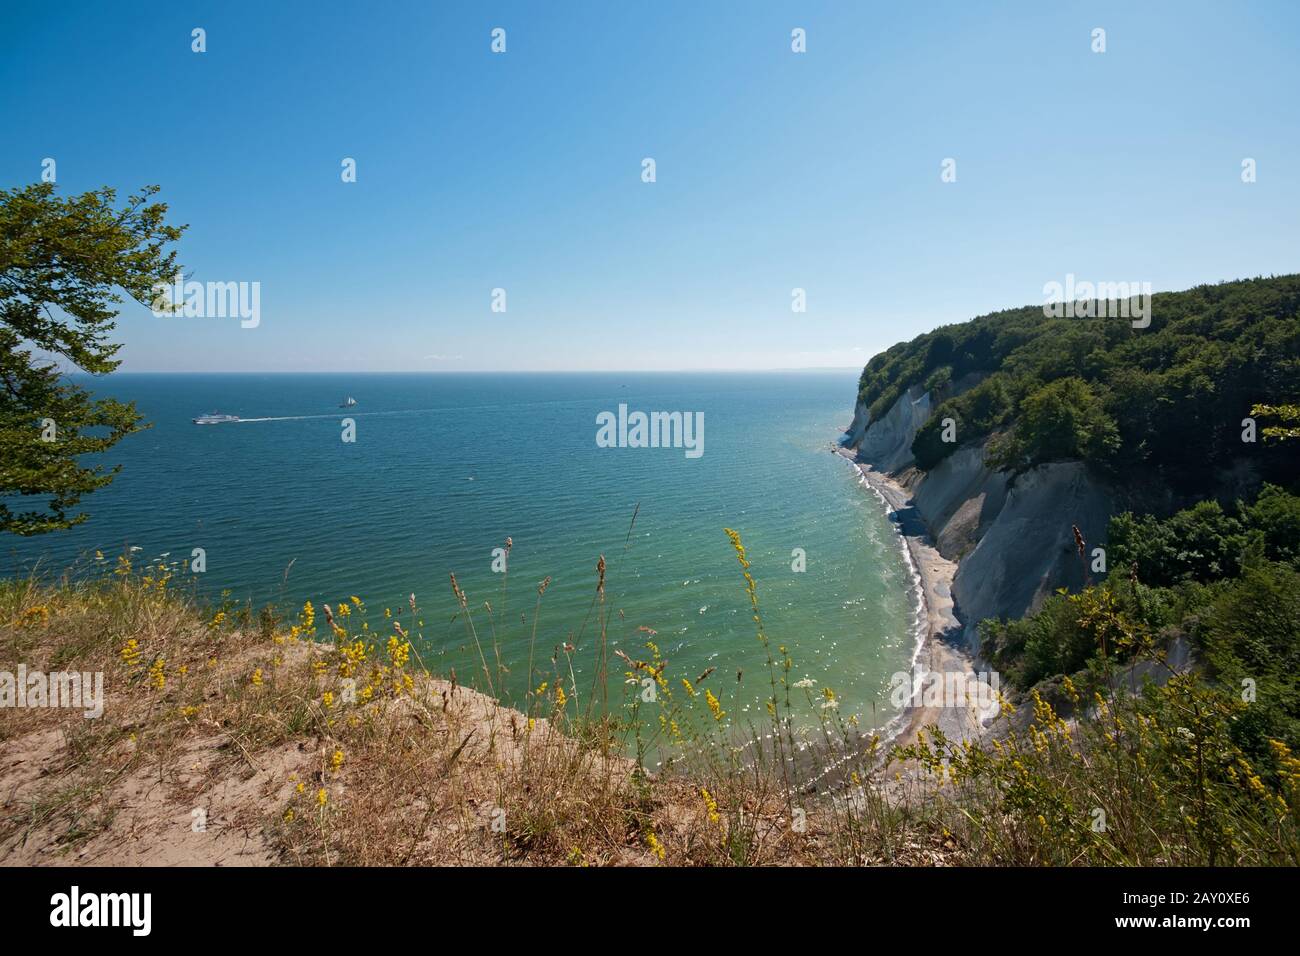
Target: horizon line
485, 371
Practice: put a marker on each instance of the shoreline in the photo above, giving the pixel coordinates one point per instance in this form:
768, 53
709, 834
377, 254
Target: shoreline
932, 577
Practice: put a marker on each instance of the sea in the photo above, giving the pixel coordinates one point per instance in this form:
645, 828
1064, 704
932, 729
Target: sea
431, 474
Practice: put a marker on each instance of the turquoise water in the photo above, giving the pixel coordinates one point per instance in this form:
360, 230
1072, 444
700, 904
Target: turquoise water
445, 467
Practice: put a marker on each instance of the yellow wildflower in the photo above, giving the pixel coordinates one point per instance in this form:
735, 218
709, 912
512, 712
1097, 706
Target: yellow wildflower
156, 675
37, 616
710, 805
131, 653
655, 846
714, 707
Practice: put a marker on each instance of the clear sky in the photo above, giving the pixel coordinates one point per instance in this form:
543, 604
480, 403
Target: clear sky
775, 170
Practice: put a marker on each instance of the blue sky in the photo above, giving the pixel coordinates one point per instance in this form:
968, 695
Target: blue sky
775, 170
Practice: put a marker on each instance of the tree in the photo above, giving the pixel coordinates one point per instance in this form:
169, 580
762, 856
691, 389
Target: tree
1252, 632
1062, 420
1287, 415
1276, 515
1200, 543
63, 263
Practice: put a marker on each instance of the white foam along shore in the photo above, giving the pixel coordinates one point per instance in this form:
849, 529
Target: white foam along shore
932, 578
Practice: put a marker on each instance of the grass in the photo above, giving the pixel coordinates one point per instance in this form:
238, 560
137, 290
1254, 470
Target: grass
323, 734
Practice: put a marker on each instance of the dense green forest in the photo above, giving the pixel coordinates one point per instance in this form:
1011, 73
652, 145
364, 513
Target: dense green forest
1162, 404
1204, 560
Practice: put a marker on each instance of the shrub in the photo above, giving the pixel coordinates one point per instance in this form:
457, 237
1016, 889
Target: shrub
1062, 420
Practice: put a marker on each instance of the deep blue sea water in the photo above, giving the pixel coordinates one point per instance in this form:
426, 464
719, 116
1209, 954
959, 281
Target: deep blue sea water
446, 467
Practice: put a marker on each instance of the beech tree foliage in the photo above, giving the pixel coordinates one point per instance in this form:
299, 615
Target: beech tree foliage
65, 266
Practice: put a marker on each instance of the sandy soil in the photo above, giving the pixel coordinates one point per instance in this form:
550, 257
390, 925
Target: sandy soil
161, 816
196, 809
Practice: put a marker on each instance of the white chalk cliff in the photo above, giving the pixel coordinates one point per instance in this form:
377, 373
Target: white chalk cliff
1012, 537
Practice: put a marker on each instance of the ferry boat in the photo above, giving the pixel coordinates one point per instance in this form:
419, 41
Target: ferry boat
215, 419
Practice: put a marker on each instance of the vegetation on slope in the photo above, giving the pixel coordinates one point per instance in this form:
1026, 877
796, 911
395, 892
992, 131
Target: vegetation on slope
1158, 414
1226, 584
327, 742
1165, 402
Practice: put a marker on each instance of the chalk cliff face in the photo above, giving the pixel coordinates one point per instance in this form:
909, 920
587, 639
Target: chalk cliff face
857, 427
887, 443
1028, 549
1012, 538
959, 500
